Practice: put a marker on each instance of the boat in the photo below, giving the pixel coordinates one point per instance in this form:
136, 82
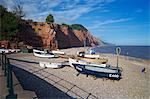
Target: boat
71, 61
87, 55
97, 71
36, 51
91, 56
4, 50
53, 51
58, 52
9, 50
50, 65
97, 60
76, 61
44, 55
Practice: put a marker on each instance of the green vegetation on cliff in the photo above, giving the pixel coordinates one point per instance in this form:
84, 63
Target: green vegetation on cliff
64, 24
78, 27
9, 24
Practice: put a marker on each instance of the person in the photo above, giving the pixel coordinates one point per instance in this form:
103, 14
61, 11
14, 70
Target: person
143, 70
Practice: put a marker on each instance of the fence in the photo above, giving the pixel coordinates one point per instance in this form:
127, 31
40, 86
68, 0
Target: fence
7, 68
39, 71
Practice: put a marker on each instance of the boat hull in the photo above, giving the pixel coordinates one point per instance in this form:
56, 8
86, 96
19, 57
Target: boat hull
74, 61
58, 52
44, 55
100, 60
102, 72
38, 51
50, 65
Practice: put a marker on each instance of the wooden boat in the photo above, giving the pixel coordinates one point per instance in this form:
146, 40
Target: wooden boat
108, 72
97, 60
72, 61
93, 56
58, 52
44, 55
50, 65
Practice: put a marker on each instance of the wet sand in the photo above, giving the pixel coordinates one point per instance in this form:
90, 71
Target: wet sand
133, 85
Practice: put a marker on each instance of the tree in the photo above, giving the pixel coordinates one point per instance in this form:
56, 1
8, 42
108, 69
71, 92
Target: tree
9, 24
50, 18
18, 9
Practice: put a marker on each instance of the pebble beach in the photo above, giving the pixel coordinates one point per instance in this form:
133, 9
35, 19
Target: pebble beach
133, 85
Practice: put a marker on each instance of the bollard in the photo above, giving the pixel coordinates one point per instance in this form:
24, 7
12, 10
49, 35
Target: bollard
11, 94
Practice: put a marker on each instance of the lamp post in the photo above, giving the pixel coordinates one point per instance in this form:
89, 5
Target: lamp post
118, 51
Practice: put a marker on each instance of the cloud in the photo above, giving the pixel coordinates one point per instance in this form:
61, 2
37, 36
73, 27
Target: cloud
63, 10
98, 24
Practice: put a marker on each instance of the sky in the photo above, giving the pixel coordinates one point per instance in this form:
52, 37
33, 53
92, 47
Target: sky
120, 22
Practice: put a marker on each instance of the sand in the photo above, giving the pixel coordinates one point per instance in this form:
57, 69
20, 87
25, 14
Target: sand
133, 85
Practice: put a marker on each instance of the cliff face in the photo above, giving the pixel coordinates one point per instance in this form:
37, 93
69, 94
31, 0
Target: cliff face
54, 36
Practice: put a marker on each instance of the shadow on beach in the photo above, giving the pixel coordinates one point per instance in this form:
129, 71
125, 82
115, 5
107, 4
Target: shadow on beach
42, 88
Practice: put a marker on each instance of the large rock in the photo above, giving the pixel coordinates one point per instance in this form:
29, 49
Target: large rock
54, 36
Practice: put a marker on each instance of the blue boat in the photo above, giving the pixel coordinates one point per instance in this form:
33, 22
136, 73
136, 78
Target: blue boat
97, 71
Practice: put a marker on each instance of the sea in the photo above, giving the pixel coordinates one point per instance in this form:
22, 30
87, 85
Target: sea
142, 52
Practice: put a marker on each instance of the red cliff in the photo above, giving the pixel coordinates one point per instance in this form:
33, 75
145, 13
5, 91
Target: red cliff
54, 36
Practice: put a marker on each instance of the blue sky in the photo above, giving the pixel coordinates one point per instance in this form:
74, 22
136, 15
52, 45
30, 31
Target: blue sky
121, 22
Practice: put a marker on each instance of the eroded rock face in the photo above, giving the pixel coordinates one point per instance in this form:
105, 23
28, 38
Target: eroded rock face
54, 36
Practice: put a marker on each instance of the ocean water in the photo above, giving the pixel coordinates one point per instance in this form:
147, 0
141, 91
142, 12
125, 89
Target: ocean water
142, 52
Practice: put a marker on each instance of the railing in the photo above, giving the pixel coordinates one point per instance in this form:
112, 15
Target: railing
32, 70
7, 68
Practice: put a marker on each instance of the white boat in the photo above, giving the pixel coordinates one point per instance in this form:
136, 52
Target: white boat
53, 51
75, 61
87, 55
50, 65
58, 52
43, 55
9, 50
4, 50
36, 51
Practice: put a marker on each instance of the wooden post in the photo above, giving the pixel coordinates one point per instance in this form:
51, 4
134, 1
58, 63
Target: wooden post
11, 94
2, 60
5, 65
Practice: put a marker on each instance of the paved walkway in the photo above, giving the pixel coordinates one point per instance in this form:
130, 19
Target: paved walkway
3, 87
21, 93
